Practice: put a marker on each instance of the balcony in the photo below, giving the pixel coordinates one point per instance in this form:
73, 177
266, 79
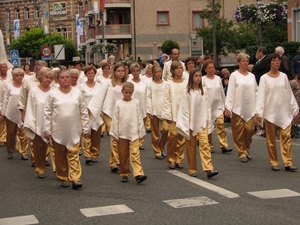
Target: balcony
90, 35
114, 31
117, 3
82, 15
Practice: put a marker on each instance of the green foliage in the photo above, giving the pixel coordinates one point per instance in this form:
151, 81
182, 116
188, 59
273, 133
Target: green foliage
31, 42
168, 45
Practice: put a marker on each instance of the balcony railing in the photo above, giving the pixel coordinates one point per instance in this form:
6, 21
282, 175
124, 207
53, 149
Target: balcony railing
82, 13
90, 34
115, 29
117, 1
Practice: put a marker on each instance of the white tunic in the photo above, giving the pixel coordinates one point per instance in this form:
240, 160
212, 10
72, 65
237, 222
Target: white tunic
28, 84
66, 116
241, 93
101, 79
34, 117
3, 85
88, 93
127, 122
275, 100
166, 75
193, 113
216, 96
104, 100
10, 104
186, 75
140, 93
146, 79
155, 98
172, 99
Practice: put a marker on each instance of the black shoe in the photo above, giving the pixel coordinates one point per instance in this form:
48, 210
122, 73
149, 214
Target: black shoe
76, 185
88, 160
47, 164
210, 174
65, 183
275, 168
10, 155
291, 168
140, 178
124, 179
159, 157
114, 169
32, 164
225, 150
148, 131
94, 160
141, 148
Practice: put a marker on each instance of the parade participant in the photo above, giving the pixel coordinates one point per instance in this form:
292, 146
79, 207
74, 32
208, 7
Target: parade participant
173, 92
193, 124
34, 117
189, 64
103, 77
5, 79
27, 70
155, 101
65, 110
140, 93
127, 114
11, 114
104, 101
74, 74
216, 98
276, 106
240, 106
175, 54
91, 145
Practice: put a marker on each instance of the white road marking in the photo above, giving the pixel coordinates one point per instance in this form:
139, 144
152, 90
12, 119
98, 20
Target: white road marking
190, 202
279, 193
19, 220
105, 210
204, 184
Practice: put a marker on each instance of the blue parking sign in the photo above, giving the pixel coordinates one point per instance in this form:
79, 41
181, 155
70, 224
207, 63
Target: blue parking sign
14, 54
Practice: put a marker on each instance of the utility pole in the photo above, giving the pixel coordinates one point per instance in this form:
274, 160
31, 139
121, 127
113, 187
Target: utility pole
215, 56
260, 35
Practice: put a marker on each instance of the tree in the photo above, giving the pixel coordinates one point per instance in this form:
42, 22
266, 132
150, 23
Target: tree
31, 42
168, 45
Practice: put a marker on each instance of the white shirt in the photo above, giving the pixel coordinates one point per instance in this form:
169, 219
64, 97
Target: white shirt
127, 122
241, 93
28, 84
216, 96
140, 93
155, 98
275, 100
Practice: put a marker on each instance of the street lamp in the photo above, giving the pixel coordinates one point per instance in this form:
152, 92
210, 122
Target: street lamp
260, 35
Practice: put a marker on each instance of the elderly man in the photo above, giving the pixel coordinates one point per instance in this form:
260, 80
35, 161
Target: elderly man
174, 57
295, 67
285, 63
262, 65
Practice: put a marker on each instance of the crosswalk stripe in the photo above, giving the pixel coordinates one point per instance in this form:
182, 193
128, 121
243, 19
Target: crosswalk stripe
19, 220
105, 210
204, 184
279, 193
190, 202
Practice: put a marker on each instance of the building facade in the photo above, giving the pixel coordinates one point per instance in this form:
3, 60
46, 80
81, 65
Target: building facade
293, 20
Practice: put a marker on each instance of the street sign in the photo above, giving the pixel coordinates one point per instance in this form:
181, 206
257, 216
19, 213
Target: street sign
46, 58
46, 51
15, 62
59, 52
14, 54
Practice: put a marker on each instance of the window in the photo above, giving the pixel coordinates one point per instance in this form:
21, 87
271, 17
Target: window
197, 20
59, 9
297, 25
62, 31
26, 13
7, 14
80, 7
36, 12
17, 13
163, 18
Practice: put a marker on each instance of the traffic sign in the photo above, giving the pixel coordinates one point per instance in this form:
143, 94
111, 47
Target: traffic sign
46, 58
15, 62
46, 51
14, 54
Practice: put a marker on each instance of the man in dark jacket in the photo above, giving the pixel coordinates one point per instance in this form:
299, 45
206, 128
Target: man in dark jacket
262, 65
295, 67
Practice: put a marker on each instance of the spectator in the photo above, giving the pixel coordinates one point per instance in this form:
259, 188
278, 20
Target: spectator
285, 63
295, 67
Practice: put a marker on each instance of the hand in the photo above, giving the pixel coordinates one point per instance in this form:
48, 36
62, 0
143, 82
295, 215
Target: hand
150, 116
47, 136
22, 115
116, 140
227, 113
141, 139
258, 119
87, 135
296, 117
169, 121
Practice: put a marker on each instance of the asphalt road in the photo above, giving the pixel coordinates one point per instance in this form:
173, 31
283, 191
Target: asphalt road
242, 193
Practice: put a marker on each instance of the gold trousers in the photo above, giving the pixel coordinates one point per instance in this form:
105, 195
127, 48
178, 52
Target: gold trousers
3, 132
242, 133
164, 130
114, 154
31, 150
129, 151
91, 146
68, 167
221, 134
155, 121
104, 127
40, 154
13, 130
204, 150
285, 144
147, 123
50, 149
176, 141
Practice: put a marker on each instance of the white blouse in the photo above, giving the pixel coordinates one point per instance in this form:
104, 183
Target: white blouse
172, 99
155, 98
88, 93
140, 93
241, 95
66, 116
127, 122
275, 100
216, 96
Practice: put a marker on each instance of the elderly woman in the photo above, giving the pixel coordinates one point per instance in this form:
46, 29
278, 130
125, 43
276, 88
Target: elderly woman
65, 120
12, 115
74, 74
91, 146
276, 106
33, 124
240, 106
